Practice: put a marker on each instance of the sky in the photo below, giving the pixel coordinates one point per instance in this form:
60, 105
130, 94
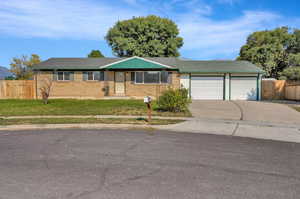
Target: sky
211, 29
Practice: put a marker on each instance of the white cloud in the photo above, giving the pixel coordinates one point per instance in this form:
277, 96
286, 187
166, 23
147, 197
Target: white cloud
207, 38
204, 37
60, 18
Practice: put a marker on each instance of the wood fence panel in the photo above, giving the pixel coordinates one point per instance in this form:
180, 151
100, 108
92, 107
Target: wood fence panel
17, 89
273, 89
292, 90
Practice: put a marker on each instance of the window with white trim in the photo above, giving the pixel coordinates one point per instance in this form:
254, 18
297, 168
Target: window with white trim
63, 76
151, 77
93, 76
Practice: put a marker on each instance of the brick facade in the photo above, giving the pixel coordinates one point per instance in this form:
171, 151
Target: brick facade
80, 89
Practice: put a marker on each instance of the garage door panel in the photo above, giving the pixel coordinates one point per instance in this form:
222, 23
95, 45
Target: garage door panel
244, 88
207, 88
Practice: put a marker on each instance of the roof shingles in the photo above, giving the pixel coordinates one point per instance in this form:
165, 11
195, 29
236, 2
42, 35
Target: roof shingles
184, 66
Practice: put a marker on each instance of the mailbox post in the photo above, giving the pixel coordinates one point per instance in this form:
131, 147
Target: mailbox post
147, 101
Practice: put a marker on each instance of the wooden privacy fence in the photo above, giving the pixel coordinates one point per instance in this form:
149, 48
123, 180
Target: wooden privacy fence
17, 89
292, 91
273, 89
280, 89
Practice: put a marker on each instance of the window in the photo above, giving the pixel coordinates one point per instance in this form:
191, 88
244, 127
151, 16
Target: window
132, 76
93, 76
164, 77
63, 76
90, 76
139, 77
151, 77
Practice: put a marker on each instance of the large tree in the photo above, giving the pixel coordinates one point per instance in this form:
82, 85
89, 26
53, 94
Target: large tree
22, 67
272, 50
95, 54
150, 36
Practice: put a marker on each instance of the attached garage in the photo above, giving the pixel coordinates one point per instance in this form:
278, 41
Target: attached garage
243, 88
221, 80
207, 87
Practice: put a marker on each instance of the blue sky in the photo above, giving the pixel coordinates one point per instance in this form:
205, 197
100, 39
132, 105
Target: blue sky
212, 29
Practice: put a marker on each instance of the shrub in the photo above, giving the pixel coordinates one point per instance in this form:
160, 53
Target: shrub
291, 73
174, 100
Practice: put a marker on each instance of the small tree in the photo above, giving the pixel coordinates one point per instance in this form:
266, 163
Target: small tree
22, 67
45, 89
95, 54
9, 78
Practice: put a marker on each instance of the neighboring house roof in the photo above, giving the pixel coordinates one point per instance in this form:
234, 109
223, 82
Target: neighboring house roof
4, 72
184, 66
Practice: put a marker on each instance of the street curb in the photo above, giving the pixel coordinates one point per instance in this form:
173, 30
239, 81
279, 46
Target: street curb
93, 116
69, 126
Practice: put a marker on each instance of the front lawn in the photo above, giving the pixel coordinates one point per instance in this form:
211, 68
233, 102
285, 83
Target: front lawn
78, 107
87, 120
297, 108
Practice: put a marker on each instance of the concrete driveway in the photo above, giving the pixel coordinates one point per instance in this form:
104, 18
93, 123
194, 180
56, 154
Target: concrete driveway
245, 110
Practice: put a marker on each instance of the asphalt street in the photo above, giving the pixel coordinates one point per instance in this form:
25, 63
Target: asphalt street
137, 164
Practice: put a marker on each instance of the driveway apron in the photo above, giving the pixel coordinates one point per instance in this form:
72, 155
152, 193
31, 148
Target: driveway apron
268, 112
214, 109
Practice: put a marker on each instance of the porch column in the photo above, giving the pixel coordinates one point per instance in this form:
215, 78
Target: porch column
106, 83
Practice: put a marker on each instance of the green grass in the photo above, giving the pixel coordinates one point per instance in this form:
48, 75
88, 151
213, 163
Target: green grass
78, 107
297, 108
87, 120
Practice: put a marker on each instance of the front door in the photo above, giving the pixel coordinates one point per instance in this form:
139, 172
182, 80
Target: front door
120, 83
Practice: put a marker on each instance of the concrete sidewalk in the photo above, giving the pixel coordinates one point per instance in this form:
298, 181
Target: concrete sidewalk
93, 116
258, 130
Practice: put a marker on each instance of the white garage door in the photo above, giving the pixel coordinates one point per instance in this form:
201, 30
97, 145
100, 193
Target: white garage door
244, 88
209, 88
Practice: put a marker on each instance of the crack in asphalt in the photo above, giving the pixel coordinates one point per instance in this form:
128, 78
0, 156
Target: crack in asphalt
45, 149
183, 164
103, 177
99, 187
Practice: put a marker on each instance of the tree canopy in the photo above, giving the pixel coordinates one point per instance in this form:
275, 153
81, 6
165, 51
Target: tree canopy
272, 50
150, 36
291, 73
95, 53
22, 67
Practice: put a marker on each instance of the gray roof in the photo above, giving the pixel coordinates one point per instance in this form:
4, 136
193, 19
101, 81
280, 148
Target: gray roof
227, 66
74, 63
183, 65
4, 72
